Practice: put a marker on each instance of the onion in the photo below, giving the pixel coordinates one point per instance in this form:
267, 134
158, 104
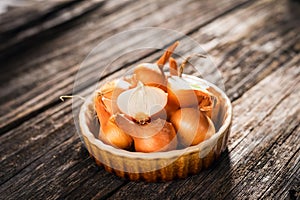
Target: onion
180, 92
164, 140
142, 102
192, 126
111, 134
158, 135
152, 73
183, 93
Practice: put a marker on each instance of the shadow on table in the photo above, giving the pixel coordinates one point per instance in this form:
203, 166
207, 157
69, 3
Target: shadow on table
214, 183
225, 182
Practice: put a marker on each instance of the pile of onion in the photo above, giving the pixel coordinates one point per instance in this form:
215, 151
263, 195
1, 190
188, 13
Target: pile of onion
153, 111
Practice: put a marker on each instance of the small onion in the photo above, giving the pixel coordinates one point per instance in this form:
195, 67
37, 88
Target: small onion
164, 140
152, 73
111, 134
180, 92
185, 93
158, 135
142, 102
192, 126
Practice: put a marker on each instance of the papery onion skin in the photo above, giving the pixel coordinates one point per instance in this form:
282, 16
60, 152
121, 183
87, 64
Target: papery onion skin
167, 54
112, 135
164, 140
102, 113
110, 92
173, 67
205, 102
192, 126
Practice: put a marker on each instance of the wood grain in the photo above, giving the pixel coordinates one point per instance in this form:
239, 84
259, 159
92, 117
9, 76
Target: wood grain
62, 82
20, 16
43, 157
17, 34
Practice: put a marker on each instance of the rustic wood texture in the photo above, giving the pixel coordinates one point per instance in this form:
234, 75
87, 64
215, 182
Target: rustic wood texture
18, 28
255, 45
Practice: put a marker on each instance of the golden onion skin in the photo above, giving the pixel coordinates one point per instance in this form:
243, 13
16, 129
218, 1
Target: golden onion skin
192, 126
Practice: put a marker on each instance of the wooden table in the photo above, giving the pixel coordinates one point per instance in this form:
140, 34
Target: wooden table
255, 44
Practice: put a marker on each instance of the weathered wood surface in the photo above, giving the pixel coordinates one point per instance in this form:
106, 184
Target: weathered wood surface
19, 27
255, 45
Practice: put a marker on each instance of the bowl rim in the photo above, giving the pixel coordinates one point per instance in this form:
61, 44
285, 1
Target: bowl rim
84, 130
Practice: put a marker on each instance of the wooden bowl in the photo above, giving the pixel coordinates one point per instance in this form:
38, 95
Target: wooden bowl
159, 166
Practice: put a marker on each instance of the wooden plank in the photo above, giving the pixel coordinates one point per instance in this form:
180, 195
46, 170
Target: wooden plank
262, 31
34, 95
287, 183
24, 81
50, 47
79, 38
51, 150
17, 149
66, 177
15, 39
63, 48
273, 162
291, 188
20, 17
